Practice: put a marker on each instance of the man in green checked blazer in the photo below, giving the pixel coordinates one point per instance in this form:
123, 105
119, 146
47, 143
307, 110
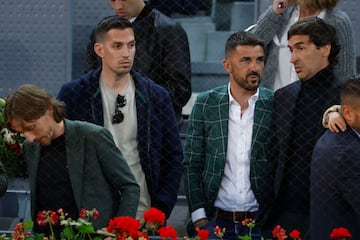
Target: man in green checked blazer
226, 143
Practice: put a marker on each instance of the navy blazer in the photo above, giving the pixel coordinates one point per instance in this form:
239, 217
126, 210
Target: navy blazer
335, 184
159, 143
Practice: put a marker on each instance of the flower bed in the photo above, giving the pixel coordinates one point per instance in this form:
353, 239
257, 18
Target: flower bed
128, 228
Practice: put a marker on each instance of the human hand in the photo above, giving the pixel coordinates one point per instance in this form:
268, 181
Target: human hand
200, 222
279, 6
336, 122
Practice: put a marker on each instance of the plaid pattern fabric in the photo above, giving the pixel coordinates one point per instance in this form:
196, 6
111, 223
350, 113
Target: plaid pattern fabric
206, 145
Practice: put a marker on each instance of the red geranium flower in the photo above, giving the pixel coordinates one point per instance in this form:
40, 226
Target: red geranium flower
219, 232
167, 232
202, 234
47, 217
123, 226
87, 214
279, 233
295, 234
155, 218
20, 232
340, 233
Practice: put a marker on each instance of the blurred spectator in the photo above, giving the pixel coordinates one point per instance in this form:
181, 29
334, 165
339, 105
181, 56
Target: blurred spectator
168, 7
274, 24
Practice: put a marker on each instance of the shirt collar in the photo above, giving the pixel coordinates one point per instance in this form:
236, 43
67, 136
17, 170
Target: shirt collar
251, 100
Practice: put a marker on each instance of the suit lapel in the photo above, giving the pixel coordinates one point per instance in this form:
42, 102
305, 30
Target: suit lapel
223, 105
75, 158
287, 107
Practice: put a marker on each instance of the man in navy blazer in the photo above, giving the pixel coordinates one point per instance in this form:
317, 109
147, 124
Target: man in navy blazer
335, 172
138, 113
296, 124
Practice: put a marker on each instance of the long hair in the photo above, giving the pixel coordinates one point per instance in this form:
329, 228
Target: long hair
29, 103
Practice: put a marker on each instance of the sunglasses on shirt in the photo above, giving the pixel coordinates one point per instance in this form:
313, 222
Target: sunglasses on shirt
118, 116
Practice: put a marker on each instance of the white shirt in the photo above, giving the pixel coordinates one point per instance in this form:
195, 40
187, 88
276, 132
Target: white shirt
235, 193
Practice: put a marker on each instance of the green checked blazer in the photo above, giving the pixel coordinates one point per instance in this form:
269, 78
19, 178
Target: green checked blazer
206, 146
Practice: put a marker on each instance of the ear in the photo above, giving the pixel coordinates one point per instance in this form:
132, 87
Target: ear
326, 50
99, 49
347, 113
226, 65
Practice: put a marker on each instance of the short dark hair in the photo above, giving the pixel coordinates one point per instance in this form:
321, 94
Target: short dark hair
242, 38
350, 89
29, 103
108, 23
320, 33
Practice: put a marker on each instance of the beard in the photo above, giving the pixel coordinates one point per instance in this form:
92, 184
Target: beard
247, 83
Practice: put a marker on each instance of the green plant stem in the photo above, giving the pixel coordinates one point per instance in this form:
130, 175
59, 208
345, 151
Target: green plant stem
52, 231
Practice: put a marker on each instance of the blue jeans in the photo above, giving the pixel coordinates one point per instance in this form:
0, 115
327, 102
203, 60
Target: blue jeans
233, 230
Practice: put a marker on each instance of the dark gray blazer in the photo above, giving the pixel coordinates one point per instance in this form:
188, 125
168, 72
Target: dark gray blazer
99, 175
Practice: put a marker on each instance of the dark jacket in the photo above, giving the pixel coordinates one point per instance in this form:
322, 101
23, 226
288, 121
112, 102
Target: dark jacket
162, 54
96, 179
159, 144
285, 103
335, 184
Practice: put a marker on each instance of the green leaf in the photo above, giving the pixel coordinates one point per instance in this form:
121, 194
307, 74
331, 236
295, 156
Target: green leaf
28, 224
246, 237
67, 233
86, 229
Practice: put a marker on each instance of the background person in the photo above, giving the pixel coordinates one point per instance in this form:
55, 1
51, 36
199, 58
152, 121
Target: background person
274, 24
335, 171
71, 164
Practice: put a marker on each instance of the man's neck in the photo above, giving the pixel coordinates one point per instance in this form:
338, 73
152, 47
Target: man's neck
115, 81
140, 7
242, 96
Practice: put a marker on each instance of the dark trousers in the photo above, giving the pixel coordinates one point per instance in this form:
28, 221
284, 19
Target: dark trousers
233, 230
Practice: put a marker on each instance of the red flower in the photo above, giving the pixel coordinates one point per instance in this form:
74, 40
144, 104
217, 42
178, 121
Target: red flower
87, 214
203, 234
20, 232
219, 232
47, 217
295, 234
167, 232
155, 218
340, 233
123, 227
279, 233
